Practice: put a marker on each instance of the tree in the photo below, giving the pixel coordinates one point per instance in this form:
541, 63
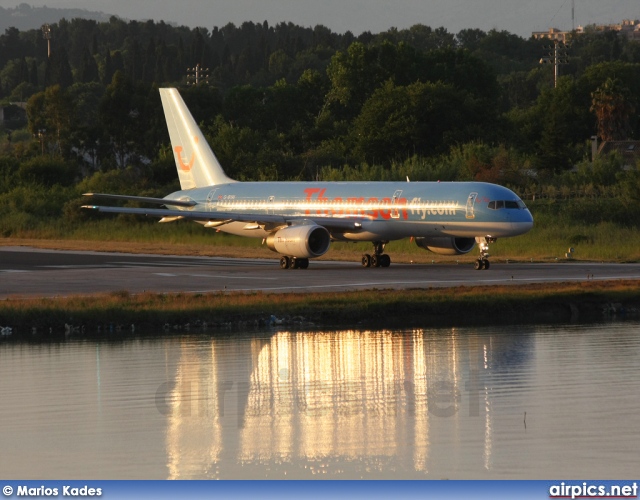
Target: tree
10, 75
565, 124
50, 115
87, 128
354, 76
236, 149
88, 68
119, 116
386, 125
421, 118
108, 68
613, 105
58, 69
470, 39
279, 63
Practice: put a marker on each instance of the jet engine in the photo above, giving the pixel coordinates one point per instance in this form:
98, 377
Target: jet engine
301, 242
444, 245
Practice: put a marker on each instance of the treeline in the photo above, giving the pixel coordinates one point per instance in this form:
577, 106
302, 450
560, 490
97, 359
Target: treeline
288, 102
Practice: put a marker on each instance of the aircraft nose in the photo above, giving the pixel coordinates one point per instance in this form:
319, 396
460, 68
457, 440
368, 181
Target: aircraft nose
523, 222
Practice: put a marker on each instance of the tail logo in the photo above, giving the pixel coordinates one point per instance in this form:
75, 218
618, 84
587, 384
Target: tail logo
185, 167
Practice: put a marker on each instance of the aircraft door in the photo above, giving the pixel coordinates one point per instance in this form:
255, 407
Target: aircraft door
211, 199
395, 214
471, 203
270, 209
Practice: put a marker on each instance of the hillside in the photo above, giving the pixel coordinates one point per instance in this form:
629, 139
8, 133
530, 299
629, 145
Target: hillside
25, 17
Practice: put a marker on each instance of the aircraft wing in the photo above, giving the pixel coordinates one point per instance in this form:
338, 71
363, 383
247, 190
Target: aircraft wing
332, 224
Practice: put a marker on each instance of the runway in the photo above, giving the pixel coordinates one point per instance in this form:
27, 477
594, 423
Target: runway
28, 272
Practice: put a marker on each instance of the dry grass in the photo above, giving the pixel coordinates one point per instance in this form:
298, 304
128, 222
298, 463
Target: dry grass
140, 247
400, 252
438, 306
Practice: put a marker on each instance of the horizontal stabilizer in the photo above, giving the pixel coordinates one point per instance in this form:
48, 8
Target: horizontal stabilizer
144, 199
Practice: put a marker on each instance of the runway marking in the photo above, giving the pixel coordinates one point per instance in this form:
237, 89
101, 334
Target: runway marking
81, 266
230, 277
13, 271
207, 263
158, 264
219, 276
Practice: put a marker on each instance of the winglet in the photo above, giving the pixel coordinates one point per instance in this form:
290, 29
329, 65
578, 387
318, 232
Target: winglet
196, 163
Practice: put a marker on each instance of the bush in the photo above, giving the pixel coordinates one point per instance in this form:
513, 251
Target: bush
48, 171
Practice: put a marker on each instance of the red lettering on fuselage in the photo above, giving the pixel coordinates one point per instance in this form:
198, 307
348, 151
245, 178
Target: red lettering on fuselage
403, 203
323, 200
372, 213
385, 214
338, 202
310, 192
353, 206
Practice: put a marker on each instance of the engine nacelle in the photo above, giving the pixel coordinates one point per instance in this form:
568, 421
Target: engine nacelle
444, 245
302, 242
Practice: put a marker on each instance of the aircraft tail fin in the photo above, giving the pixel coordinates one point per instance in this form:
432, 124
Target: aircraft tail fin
196, 163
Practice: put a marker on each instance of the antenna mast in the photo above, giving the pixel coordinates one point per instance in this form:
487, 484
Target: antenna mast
46, 34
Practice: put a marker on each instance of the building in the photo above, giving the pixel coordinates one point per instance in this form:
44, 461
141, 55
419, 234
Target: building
629, 150
554, 34
629, 28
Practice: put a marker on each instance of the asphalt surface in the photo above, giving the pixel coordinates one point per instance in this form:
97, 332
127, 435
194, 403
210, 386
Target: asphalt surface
27, 272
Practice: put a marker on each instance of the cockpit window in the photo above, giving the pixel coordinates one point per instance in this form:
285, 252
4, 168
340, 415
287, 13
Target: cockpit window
498, 204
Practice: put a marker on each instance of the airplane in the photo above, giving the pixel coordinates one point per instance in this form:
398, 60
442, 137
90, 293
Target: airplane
299, 220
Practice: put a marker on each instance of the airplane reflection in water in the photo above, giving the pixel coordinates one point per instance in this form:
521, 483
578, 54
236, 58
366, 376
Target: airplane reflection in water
298, 404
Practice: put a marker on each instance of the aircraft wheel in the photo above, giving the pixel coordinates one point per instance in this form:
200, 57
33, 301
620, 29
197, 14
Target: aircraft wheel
487, 264
385, 260
303, 263
293, 263
375, 260
284, 262
366, 260
478, 265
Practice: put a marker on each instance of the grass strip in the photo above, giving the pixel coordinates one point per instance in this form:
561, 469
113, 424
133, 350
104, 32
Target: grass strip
478, 305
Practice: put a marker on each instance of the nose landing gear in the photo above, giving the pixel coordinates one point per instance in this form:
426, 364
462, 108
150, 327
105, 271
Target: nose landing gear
483, 260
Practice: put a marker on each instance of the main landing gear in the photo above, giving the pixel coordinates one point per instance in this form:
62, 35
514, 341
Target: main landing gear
481, 264
293, 263
483, 260
378, 259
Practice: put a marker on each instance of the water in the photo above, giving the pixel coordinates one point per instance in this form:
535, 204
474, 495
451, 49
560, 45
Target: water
525, 402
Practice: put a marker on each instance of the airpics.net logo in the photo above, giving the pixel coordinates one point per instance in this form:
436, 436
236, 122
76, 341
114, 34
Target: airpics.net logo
586, 490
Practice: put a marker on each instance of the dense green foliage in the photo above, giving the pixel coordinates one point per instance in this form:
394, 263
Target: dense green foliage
291, 103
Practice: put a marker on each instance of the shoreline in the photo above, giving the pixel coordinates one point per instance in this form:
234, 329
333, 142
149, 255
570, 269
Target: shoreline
123, 314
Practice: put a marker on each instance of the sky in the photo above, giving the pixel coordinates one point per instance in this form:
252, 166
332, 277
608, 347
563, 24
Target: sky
520, 17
